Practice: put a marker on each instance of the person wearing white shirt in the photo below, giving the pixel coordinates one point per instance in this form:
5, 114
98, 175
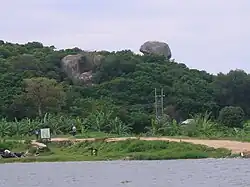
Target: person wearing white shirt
74, 130
6, 151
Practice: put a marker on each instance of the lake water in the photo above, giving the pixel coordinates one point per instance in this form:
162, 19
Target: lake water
172, 173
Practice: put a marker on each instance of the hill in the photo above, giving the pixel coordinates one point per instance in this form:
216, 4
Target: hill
33, 82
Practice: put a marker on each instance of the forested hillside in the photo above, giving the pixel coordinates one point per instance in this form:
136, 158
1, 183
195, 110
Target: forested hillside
32, 84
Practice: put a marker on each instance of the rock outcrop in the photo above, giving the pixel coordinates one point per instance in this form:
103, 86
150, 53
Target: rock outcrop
156, 48
79, 67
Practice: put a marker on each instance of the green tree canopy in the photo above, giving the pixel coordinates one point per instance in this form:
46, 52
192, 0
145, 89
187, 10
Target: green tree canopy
32, 83
43, 93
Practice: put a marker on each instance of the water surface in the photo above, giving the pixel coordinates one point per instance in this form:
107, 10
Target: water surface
172, 173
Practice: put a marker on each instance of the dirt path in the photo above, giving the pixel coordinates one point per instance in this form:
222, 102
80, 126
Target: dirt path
34, 142
235, 146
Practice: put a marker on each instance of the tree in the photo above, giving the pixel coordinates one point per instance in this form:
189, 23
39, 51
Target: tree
233, 89
44, 93
232, 116
123, 81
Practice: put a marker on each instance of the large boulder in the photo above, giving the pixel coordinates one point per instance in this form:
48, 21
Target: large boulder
156, 48
79, 67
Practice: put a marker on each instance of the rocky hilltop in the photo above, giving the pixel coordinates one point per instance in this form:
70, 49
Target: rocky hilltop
79, 67
156, 48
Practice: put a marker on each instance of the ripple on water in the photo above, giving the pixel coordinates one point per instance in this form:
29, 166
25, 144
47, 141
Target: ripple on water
173, 173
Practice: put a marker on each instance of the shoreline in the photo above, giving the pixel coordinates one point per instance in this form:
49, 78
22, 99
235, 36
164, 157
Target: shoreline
235, 146
114, 160
52, 160
135, 149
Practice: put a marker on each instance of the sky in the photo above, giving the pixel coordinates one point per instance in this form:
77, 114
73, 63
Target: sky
211, 35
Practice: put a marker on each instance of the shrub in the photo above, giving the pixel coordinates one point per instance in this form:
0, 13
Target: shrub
232, 116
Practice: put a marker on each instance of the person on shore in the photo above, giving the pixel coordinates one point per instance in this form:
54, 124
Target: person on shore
93, 151
37, 134
74, 130
7, 151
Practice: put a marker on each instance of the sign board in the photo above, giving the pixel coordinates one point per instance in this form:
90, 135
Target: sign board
45, 133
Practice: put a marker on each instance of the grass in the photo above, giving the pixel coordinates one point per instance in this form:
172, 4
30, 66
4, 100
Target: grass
129, 149
16, 146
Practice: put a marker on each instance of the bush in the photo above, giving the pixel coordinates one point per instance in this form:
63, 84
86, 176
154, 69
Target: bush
9, 144
232, 116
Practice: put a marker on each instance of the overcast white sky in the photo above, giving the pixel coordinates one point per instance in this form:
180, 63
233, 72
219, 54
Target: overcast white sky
212, 35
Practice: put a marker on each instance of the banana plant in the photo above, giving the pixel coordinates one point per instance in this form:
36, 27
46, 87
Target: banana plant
153, 130
84, 126
246, 126
99, 120
19, 128
118, 127
5, 128
55, 123
170, 128
201, 125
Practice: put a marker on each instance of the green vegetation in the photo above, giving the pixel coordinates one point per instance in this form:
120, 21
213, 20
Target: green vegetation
232, 116
129, 149
14, 145
36, 93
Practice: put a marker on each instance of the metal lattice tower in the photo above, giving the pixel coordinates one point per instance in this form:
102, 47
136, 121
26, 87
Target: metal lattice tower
159, 104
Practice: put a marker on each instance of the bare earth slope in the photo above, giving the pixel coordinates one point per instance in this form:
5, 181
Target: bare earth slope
234, 146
